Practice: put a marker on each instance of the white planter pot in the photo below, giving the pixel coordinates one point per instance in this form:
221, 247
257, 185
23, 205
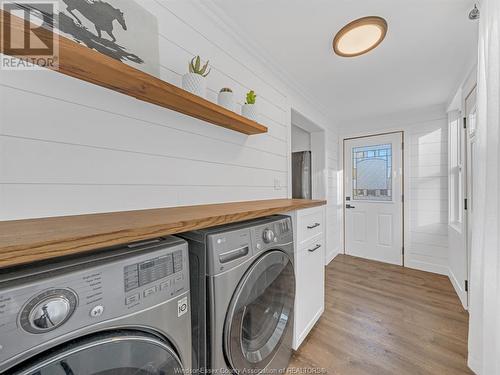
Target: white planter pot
195, 83
226, 100
249, 111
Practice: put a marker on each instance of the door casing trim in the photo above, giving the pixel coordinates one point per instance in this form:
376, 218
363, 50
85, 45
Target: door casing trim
402, 186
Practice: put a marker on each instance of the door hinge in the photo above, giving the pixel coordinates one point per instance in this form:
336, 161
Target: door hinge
465, 122
403, 250
402, 145
466, 285
465, 204
402, 198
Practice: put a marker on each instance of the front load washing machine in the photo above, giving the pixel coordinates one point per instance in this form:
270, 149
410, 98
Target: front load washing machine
120, 311
243, 292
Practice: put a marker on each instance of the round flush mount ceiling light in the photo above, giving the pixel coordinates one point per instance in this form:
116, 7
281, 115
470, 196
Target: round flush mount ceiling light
360, 36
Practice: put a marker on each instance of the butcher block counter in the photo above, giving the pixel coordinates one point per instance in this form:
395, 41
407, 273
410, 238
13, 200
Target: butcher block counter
25, 241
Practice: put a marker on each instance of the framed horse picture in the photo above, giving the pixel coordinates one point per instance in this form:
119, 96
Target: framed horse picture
121, 29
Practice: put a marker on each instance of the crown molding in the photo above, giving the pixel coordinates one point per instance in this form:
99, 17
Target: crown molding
217, 14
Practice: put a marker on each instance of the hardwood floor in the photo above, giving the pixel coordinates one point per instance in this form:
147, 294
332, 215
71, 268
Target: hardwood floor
385, 319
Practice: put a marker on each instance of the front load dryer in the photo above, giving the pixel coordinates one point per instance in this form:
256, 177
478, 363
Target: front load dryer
120, 311
243, 292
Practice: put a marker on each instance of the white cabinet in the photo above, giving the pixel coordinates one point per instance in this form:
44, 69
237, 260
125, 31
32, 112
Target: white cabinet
309, 238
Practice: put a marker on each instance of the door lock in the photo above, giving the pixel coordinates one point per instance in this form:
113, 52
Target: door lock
349, 206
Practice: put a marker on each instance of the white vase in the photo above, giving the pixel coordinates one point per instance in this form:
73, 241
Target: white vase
226, 100
195, 83
249, 111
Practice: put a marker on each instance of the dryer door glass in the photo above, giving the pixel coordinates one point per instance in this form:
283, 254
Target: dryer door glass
261, 312
113, 353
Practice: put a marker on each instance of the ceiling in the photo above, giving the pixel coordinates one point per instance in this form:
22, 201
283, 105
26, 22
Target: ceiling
429, 48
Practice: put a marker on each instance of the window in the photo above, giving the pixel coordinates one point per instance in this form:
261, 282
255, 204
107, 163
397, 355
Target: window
372, 173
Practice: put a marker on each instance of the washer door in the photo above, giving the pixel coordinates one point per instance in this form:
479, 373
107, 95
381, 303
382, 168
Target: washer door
260, 313
112, 353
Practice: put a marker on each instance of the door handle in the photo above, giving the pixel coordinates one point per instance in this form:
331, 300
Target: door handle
314, 248
349, 206
313, 226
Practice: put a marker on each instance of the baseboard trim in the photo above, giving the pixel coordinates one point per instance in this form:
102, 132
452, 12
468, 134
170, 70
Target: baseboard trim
428, 267
331, 256
475, 365
461, 293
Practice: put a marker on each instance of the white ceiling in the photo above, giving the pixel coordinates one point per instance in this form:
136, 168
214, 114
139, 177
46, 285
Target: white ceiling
429, 48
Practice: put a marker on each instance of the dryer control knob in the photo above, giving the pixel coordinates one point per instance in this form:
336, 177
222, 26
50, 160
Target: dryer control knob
50, 313
268, 235
48, 310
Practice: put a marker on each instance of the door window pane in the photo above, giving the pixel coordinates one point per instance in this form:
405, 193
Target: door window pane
372, 173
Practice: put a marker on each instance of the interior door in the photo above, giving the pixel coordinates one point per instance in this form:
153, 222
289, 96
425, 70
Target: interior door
470, 116
373, 188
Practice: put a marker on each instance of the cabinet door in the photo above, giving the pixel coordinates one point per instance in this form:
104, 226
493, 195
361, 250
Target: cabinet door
310, 287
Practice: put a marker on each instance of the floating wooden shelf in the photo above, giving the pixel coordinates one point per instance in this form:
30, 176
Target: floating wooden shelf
78, 61
24, 241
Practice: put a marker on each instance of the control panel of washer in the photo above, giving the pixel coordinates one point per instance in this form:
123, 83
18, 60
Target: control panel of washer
267, 235
161, 276
37, 305
230, 248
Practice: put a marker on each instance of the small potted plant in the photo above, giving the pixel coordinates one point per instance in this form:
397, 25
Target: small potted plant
195, 81
249, 109
226, 98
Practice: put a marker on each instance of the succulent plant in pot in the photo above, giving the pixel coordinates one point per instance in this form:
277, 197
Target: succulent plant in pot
249, 109
226, 98
195, 81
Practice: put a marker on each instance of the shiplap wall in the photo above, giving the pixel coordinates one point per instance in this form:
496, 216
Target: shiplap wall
426, 181
334, 197
70, 147
426, 245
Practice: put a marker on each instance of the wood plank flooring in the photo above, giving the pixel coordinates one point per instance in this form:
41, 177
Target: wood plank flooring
385, 319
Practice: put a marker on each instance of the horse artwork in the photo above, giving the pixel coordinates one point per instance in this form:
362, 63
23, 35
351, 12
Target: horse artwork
100, 13
117, 28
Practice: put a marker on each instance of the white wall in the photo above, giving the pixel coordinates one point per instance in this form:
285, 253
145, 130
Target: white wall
426, 182
335, 200
70, 147
301, 139
426, 242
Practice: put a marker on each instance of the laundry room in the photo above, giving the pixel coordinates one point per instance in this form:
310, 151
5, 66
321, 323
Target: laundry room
228, 186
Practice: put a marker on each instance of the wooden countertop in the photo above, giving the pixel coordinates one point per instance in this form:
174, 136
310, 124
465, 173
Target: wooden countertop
25, 241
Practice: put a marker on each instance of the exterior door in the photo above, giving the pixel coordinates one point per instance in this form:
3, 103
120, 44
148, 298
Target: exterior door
261, 313
110, 353
373, 191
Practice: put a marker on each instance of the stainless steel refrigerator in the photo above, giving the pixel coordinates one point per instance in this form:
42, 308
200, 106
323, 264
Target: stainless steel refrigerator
301, 175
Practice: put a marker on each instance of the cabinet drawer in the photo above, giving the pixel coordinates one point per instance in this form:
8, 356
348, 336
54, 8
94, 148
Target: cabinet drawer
310, 225
313, 245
